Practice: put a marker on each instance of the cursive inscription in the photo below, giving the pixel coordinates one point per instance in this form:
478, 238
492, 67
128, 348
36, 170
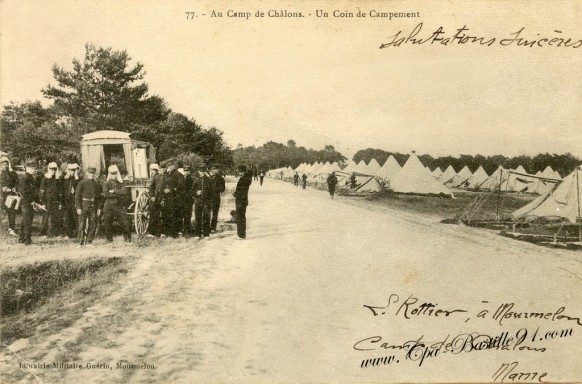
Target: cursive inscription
409, 308
506, 371
463, 36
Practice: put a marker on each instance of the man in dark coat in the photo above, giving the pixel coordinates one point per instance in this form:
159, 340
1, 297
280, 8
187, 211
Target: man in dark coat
167, 193
241, 195
29, 194
261, 177
51, 195
70, 182
218, 185
331, 183
304, 178
187, 200
116, 196
154, 207
88, 202
296, 179
202, 191
9, 184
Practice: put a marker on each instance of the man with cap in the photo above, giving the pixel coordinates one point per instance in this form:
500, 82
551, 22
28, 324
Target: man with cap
202, 193
218, 185
154, 207
168, 193
116, 195
88, 200
8, 186
241, 195
187, 200
29, 194
70, 182
51, 195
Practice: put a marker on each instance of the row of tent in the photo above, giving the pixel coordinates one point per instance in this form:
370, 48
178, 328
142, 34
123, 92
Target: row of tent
558, 197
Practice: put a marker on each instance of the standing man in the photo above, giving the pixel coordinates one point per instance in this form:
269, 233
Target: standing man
115, 194
255, 174
331, 183
218, 185
261, 177
304, 178
202, 207
187, 200
29, 197
154, 207
296, 179
168, 192
88, 199
51, 195
241, 195
70, 183
8, 185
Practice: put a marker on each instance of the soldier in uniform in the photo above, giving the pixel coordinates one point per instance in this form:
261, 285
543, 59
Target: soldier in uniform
304, 178
202, 207
241, 195
331, 183
70, 182
51, 195
116, 196
88, 200
296, 179
154, 208
218, 185
168, 192
29, 194
187, 200
8, 185
261, 177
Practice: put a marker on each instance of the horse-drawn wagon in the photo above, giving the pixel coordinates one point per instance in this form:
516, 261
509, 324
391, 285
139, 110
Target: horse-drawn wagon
102, 148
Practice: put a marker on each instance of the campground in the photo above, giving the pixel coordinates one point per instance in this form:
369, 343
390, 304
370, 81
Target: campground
287, 304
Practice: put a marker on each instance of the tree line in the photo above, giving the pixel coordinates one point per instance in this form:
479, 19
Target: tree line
105, 91
272, 155
562, 163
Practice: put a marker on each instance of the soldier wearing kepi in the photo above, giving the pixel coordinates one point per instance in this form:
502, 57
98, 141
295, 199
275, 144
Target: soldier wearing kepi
116, 195
187, 200
70, 183
168, 192
88, 200
201, 190
154, 207
29, 194
241, 195
51, 194
218, 185
9, 184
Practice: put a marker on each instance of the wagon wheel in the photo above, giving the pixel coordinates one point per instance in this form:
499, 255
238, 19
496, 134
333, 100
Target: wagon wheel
141, 216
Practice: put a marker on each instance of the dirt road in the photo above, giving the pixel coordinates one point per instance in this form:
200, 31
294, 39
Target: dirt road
287, 304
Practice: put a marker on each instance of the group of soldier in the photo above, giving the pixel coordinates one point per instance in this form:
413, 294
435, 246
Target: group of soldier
331, 182
73, 207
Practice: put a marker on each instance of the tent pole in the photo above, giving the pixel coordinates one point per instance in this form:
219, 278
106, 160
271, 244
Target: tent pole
499, 194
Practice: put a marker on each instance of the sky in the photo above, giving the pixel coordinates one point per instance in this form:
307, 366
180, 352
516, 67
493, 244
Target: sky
325, 81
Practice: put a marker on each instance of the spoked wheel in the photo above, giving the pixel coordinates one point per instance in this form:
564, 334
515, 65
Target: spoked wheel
141, 216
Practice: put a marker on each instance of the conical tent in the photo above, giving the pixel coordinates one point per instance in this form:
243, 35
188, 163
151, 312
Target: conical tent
460, 180
448, 175
437, 173
563, 201
414, 178
373, 167
351, 167
520, 169
518, 181
477, 179
497, 180
389, 169
360, 182
361, 167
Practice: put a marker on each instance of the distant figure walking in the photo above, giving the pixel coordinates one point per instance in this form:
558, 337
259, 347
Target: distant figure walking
296, 179
304, 178
255, 174
241, 195
261, 176
331, 183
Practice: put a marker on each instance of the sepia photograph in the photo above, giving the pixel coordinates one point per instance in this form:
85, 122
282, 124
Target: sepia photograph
290, 191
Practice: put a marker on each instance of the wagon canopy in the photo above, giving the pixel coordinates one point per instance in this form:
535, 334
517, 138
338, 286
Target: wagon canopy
137, 154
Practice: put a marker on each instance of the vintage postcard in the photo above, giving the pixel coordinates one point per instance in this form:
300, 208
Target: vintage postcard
290, 191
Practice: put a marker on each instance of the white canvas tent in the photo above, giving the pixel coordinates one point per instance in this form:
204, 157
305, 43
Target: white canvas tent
477, 179
448, 175
414, 178
437, 173
389, 169
350, 168
362, 183
373, 168
460, 180
562, 201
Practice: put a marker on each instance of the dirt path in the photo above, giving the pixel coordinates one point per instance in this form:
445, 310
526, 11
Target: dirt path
286, 305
